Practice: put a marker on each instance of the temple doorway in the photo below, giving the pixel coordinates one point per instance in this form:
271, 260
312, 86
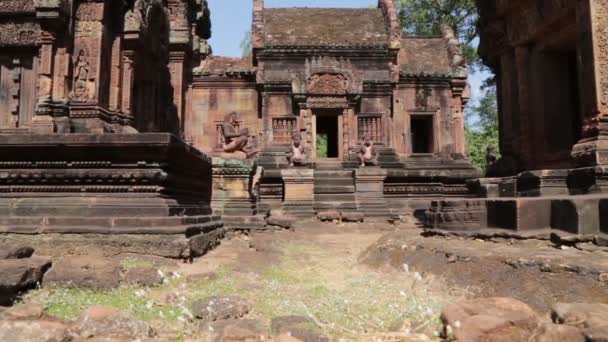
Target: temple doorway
327, 137
422, 134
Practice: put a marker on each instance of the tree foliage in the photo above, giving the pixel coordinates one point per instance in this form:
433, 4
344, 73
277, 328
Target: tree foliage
484, 131
246, 45
425, 17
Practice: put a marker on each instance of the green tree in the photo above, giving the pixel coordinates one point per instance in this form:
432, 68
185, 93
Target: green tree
482, 130
425, 17
246, 45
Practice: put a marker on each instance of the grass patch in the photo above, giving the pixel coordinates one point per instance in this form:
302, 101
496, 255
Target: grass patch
344, 300
69, 303
132, 262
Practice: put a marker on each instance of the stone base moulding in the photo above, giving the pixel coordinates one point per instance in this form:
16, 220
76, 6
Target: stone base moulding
299, 192
234, 194
114, 187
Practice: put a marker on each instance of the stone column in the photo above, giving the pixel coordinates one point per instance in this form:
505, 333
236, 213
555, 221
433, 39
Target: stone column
233, 193
592, 20
458, 103
299, 191
306, 126
127, 82
369, 184
177, 60
43, 121
522, 60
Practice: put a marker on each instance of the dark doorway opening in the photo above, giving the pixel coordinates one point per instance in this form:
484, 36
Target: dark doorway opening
327, 136
422, 134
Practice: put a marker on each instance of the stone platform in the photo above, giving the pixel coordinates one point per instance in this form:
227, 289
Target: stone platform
150, 191
235, 192
565, 216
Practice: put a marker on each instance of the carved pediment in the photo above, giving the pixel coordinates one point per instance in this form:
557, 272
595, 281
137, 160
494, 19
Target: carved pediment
327, 84
328, 76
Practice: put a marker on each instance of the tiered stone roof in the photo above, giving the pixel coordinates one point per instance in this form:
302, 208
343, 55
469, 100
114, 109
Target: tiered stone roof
219, 65
424, 56
347, 27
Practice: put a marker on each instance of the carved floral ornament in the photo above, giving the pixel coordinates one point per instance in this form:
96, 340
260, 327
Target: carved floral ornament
328, 76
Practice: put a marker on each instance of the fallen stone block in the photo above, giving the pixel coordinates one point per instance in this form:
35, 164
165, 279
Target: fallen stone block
247, 330
109, 323
281, 220
353, 216
15, 252
84, 272
34, 331
220, 308
295, 328
489, 319
592, 319
557, 333
23, 312
17, 275
328, 216
143, 276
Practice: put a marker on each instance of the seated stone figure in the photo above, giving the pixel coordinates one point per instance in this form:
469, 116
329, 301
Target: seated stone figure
236, 140
297, 154
367, 153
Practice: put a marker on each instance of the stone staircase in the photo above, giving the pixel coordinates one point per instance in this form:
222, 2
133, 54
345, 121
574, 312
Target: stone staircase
334, 187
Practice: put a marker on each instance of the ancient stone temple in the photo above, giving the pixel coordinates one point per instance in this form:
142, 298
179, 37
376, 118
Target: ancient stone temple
551, 63
92, 105
110, 109
331, 78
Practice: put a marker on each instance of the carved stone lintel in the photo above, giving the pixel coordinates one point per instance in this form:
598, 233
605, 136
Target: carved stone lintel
25, 34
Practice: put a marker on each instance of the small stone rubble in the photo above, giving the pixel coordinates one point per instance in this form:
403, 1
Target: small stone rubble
507, 319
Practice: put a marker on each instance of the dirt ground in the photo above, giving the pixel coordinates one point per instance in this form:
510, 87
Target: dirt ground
353, 280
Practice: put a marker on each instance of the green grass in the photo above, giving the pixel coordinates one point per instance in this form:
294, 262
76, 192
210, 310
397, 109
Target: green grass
132, 262
69, 303
344, 300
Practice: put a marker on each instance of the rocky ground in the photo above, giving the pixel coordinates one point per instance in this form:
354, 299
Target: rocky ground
321, 282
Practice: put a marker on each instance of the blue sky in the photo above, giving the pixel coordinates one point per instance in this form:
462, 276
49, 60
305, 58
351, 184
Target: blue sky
231, 19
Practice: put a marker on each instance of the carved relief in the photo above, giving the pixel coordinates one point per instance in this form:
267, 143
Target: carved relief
82, 68
16, 6
18, 35
328, 76
327, 84
90, 11
422, 98
600, 31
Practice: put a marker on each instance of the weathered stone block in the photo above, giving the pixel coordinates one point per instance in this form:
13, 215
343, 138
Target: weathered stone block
519, 214
576, 215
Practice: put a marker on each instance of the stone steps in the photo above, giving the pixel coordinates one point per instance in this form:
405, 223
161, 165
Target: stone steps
334, 187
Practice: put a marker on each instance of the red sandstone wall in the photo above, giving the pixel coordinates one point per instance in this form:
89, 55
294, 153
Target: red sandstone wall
210, 103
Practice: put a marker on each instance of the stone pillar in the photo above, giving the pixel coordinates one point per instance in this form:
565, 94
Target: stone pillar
522, 60
459, 87
299, 191
127, 82
232, 195
306, 126
177, 60
369, 184
592, 20
507, 110
43, 122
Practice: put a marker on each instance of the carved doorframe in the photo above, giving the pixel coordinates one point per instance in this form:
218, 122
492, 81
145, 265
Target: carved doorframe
345, 109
